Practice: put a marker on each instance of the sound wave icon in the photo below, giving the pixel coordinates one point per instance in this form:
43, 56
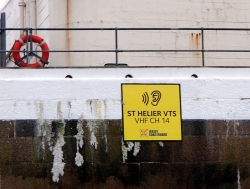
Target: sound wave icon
145, 98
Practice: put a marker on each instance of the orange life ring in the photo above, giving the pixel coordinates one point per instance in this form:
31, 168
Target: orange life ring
36, 39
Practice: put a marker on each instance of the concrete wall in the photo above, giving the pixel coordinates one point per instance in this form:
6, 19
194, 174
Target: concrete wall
193, 14
58, 132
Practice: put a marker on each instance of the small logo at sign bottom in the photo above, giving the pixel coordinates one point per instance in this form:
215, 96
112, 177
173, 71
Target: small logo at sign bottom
143, 132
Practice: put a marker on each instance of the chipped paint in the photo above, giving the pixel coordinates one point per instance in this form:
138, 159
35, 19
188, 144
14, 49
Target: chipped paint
161, 144
79, 143
58, 164
236, 126
92, 129
137, 146
106, 142
41, 123
238, 178
228, 127
127, 147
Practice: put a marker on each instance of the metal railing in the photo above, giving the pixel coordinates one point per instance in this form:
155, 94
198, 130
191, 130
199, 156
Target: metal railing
117, 50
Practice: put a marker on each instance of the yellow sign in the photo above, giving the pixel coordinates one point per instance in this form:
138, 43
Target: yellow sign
151, 112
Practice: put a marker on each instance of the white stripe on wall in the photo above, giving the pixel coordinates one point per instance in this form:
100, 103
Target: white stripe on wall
95, 93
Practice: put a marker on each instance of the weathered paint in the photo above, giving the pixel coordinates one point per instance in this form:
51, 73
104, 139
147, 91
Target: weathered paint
238, 178
128, 146
58, 164
79, 143
161, 13
56, 97
76, 123
205, 158
69, 131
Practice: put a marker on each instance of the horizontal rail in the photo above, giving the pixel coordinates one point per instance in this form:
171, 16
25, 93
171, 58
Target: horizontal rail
117, 50
100, 29
112, 51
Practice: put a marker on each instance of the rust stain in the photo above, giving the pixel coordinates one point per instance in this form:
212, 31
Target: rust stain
68, 32
195, 40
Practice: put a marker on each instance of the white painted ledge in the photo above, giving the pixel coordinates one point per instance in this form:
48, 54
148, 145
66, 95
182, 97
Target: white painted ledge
95, 93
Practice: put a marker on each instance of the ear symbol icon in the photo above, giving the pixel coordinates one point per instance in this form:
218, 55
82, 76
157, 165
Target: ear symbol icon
156, 95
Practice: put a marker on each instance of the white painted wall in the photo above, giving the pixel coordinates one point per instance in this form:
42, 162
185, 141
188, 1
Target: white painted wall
136, 13
95, 93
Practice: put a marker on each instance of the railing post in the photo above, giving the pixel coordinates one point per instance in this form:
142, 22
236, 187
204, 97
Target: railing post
31, 45
27, 47
31, 42
202, 46
3, 41
116, 46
